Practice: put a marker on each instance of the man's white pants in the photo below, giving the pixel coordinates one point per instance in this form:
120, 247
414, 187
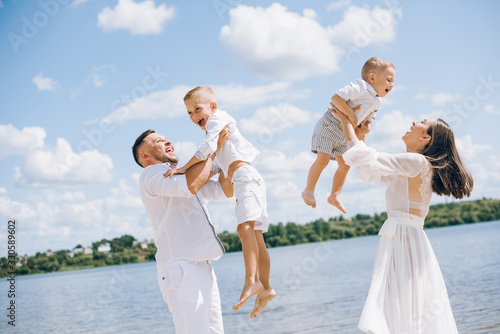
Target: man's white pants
191, 292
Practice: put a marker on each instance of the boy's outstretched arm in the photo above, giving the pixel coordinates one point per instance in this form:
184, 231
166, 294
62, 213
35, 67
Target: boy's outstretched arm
344, 108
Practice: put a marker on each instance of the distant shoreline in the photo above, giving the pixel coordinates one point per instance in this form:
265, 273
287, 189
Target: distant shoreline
126, 249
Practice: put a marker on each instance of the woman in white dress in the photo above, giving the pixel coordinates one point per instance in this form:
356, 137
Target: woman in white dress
407, 293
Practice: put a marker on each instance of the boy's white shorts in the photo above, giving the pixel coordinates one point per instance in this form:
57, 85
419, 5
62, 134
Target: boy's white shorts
250, 193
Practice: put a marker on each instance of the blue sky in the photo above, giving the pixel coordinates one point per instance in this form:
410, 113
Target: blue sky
81, 79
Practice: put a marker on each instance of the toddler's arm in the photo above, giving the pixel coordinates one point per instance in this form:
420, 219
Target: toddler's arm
343, 107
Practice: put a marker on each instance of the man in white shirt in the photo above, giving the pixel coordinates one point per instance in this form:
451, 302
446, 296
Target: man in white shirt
185, 238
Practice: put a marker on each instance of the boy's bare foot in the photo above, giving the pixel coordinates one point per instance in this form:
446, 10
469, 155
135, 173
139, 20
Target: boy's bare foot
248, 291
336, 202
308, 197
261, 301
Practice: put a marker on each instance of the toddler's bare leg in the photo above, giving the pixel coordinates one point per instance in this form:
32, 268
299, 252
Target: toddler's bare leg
267, 293
338, 184
322, 160
250, 250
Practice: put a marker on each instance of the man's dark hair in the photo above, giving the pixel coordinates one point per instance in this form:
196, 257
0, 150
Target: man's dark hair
138, 142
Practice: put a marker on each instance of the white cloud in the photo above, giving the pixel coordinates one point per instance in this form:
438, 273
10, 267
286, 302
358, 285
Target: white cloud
443, 98
159, 104
234, 96
387, 131
421, 96
53, 219
135, 177
184, 150
276, 165
494, 168
11, 208
13, 141
286, 145
337, 5
60, 166
170, 103
362, 27
491, 109
98, 74
44, 83
122, 198
140, 18
77, 3
438, 99
468, 149
274, 119
276, 43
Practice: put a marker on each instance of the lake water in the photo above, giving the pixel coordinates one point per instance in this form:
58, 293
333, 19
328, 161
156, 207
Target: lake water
321, 289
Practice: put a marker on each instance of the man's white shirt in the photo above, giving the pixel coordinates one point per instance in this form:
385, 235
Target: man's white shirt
182, 226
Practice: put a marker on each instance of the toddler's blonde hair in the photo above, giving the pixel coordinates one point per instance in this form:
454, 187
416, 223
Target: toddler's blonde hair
374, 64
204, 94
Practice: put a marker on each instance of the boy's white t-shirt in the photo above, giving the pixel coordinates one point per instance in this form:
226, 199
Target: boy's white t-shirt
235, 148
361, 92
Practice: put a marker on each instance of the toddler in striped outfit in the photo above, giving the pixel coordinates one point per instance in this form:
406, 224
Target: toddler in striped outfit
359, 101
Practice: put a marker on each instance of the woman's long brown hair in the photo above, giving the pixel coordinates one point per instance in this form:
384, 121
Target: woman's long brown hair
450, 176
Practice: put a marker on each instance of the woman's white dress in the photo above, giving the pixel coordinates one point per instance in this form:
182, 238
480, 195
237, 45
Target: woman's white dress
407, 293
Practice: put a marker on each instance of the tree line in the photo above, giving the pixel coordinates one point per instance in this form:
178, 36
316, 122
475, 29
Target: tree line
124, 251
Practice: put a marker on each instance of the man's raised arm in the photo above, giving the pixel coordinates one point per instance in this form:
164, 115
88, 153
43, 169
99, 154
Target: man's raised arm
199, 174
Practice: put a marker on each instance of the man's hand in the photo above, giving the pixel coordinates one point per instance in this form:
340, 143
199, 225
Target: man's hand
223, 137
173, 171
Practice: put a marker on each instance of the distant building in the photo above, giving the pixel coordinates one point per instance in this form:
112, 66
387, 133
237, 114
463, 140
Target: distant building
144, 244
134, 243
49, 253
104, 248
87, 251
77, 250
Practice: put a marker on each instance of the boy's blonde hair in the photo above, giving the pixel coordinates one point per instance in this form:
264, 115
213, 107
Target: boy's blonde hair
374, 64
204, 94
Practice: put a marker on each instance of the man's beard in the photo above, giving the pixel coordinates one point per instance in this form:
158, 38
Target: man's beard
165, 158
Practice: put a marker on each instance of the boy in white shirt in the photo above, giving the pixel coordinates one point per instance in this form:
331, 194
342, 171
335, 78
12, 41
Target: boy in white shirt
234, 160
328, 140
